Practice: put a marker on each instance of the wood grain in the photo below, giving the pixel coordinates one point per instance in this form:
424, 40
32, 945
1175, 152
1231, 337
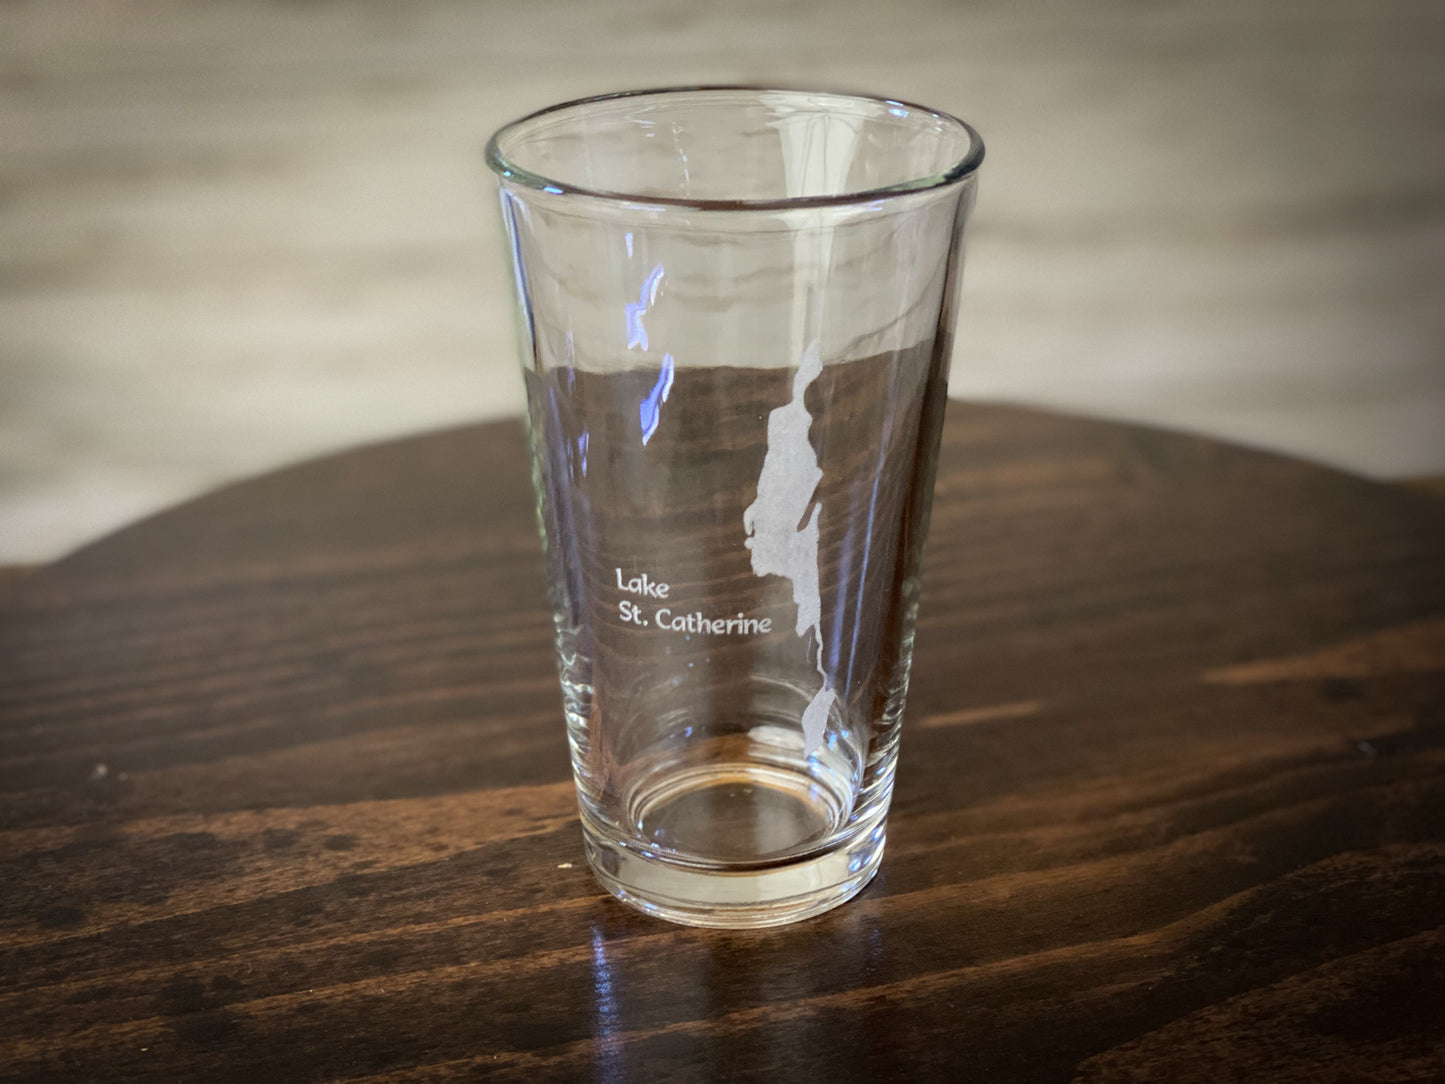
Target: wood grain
284, 792
1432, 484
10, 574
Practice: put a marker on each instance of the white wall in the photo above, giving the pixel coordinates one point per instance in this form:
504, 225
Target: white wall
234, 235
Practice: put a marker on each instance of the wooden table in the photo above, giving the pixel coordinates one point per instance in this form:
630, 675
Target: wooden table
284, 793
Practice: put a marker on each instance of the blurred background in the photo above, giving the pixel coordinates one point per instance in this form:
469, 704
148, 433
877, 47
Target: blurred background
236, 234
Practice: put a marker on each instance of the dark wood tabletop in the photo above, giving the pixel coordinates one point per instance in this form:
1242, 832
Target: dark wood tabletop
284, 792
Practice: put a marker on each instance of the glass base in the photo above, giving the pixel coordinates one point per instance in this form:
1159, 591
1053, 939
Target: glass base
727, 813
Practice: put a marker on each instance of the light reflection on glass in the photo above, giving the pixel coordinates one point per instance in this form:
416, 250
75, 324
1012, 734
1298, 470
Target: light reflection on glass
636, 310
512, 210
650, 409
884, 439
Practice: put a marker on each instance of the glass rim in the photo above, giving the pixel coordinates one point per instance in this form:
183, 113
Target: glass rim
958, 171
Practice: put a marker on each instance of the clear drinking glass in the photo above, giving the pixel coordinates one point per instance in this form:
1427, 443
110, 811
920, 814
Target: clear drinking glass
736, 311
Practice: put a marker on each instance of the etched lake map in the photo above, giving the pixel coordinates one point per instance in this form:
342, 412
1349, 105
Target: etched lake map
783, 532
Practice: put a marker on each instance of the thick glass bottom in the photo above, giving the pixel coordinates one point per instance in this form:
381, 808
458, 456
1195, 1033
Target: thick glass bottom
755, 824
